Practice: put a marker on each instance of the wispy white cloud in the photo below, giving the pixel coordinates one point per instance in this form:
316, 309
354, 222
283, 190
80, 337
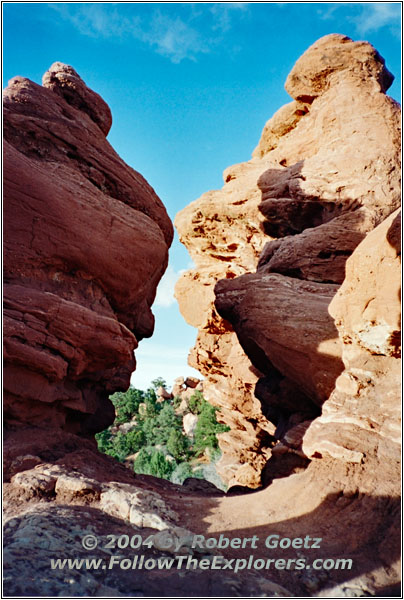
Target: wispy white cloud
367, 17
376, 15
224, 12
165, 291
328, 13
172, 37
94, 20
186, 35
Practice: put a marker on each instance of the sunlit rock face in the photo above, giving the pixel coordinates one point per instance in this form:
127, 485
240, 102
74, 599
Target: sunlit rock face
325, 173
86, 243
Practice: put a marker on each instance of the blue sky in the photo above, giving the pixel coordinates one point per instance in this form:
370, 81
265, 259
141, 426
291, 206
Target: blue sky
190, 86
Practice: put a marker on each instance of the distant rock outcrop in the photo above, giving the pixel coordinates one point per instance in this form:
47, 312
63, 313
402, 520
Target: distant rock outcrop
326, 172
86, 243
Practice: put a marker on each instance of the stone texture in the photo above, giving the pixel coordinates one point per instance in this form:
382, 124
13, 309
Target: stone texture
367, 308
86, 241
83, 493
299, 339
298, 209
332, 58
189, 422
362, 414
222, 232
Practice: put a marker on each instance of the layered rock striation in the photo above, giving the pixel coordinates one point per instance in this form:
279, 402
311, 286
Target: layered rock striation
276, 238
86, 243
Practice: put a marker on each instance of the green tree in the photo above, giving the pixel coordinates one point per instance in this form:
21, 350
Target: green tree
176, 401
165, 422
158, 382
142, 462
177, 444
160, 466
156, 435
150, 429
152, 406
104, 440
120, 446
153, 462
196, 402
181, 473
207, 429
126, 404
135, 440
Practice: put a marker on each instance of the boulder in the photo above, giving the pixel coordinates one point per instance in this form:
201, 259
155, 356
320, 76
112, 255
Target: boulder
85, 244
189, 422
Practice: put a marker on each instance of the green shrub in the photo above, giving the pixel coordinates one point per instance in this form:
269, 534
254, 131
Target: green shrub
206, 430
119, 447
177, 444
177, 401
104, 440
126, 404
153, 462
158, 382
196, 403
135, 440
181, 472
156, 435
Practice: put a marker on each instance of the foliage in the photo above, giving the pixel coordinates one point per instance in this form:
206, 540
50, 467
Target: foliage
127, 404
177, 444
158, 382
157, 438
206, 429
103, 440
177, 401
181, 473
196, 403
153, 462
115, 446
135, 440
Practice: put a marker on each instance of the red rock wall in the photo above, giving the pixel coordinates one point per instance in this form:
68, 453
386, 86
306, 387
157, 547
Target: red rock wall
326, 172
85, 244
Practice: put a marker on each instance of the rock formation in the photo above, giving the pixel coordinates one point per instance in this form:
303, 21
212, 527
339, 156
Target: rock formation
307, 322
183, 389
86, 243
325, 173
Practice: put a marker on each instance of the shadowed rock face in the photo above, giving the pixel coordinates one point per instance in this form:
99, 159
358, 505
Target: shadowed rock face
86, 243
325, 173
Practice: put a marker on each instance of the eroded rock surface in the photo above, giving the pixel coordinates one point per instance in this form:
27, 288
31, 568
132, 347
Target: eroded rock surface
86, 243
325, 173
362, 415
60, 492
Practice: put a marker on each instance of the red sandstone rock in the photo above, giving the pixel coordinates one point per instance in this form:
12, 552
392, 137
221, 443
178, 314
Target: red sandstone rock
325, 173
284, 323
86, 242
362, 415
331, 58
